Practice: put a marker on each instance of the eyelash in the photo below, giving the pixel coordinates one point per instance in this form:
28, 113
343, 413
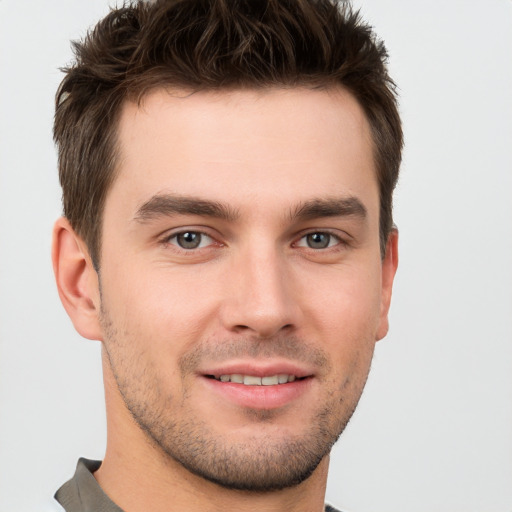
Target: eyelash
174, 236
340, 242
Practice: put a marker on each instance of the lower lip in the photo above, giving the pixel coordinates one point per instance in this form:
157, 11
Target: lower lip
259, 397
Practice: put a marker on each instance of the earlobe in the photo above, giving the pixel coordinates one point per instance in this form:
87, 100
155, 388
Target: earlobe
389, 266
77, 280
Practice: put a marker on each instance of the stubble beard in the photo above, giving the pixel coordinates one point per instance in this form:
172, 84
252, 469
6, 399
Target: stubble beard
262, 463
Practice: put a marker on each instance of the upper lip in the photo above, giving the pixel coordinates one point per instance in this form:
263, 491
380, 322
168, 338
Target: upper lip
258, 369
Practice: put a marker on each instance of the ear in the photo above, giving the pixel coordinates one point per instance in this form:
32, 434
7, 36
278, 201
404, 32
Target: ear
77, 280
389, 266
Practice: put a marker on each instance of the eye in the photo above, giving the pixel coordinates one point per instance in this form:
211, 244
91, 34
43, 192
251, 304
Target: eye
190, 240
318, 240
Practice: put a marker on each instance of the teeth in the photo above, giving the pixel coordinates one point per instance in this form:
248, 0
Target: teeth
282, 378
249, 380
252, 380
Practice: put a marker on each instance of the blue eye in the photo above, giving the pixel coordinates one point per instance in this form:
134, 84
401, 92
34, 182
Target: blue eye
318, 240
190, 240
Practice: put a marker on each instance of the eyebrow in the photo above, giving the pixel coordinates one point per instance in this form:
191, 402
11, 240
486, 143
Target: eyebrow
330, 207
166, 205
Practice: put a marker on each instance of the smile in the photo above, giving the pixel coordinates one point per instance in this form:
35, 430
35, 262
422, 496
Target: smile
258, 384
253, 380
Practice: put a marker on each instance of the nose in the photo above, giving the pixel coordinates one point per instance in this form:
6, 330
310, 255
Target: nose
260, 299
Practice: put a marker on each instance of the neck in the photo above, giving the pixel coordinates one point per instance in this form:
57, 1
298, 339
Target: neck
137, 476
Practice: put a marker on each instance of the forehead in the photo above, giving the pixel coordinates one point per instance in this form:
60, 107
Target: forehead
241, 146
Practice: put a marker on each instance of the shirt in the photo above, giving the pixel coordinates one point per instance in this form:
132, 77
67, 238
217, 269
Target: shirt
83, 494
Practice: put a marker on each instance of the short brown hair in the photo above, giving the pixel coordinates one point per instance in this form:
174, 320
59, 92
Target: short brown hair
211, 45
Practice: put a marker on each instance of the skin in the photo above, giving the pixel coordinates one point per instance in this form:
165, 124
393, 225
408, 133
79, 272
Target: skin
290, 168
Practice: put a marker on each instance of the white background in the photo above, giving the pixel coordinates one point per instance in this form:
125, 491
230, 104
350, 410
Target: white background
433, 432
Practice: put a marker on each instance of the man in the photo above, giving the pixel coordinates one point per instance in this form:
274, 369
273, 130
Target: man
227, 172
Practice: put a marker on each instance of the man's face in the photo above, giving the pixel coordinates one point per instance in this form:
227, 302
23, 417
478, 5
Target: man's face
241, 278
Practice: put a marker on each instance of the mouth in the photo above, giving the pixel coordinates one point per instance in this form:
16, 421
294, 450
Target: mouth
259, 385
255, 380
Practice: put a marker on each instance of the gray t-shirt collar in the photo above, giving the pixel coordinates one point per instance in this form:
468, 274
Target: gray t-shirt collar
82, 493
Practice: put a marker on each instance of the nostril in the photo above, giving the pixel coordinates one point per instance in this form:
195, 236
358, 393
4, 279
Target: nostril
263, 331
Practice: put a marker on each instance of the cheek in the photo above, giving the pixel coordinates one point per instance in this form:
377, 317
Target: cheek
347, 317
348, 305
161, 311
